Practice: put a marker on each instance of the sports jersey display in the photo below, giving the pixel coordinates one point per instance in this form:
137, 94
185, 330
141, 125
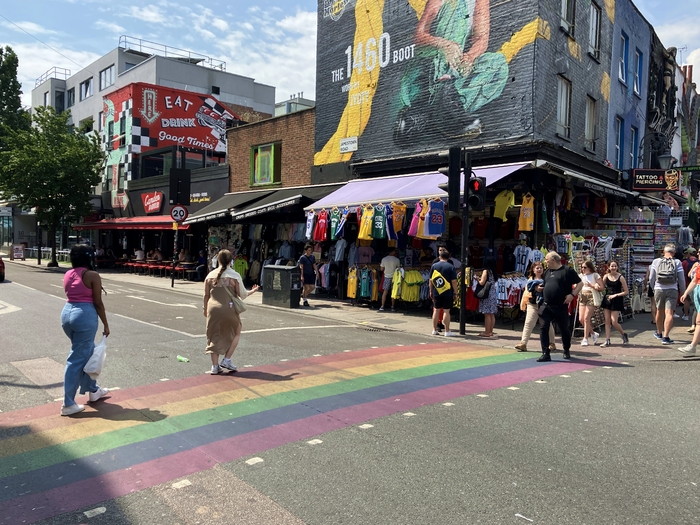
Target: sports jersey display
526, 222
367, 220
390, 232
321, 229
522, 256
436, 218
310, 220
504, 201
379, 222
352, 283
399, 216
334, 222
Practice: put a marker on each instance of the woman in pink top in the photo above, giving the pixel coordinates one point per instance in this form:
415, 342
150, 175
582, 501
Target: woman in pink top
83, 288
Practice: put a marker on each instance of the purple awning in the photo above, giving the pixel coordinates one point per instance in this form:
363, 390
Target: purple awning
406, 188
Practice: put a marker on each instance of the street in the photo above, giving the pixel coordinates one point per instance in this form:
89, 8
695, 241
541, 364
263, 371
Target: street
330, 422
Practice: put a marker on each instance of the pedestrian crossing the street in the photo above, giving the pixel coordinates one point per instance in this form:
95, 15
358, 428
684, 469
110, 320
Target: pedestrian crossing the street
142, 437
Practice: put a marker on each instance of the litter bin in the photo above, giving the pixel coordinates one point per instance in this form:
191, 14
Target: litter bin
281, 286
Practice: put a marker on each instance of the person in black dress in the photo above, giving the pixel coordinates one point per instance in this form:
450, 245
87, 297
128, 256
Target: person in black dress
615, 289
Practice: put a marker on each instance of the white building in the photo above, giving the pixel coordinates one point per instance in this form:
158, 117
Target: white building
137, 60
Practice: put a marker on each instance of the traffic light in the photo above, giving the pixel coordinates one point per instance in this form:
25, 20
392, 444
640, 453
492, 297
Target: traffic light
477, 193
454, 175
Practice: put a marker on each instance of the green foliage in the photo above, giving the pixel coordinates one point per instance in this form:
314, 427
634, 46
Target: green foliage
51, 168
12, 115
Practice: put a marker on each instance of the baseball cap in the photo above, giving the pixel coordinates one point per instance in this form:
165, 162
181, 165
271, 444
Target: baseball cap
690, 250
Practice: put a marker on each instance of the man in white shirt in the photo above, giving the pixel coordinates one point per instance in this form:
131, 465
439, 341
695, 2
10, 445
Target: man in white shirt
389, 265
668, 286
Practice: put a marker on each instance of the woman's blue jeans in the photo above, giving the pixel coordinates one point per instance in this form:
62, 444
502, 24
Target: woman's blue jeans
79, 322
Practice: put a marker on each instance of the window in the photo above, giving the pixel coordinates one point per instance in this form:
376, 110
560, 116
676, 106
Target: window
86, 89
47, 99
634, 147
265, 164
594, 31
70, 102
568, 11
215, 90
591, 124
619, 142
638, 68
60, 101
122, 131
624, 50
109, 139
564, 108
128, 66
100, 121
107, 77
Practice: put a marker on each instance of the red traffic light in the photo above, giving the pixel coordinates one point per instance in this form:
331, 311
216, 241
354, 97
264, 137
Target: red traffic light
475, 185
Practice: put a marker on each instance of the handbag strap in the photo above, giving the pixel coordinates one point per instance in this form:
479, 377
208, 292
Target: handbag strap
233, 297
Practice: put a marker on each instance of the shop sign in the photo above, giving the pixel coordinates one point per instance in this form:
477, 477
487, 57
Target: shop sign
348, 144
120, 200
152, 202
272, 207
5, 211
17, 252
605, 189
675, 221
655, 180
196, 198
688, 168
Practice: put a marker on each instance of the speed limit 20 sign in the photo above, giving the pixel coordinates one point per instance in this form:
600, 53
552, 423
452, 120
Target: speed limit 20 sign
178, 213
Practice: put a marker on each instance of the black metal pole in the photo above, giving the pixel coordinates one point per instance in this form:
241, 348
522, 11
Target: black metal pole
38, 243
465, 239
172, 271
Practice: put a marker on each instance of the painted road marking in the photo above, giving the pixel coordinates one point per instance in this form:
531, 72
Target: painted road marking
282, 328
482, 395
540, 381
182, 484
95, 512
607, 367
366, 425
409, 414
564, 375
194, 336
586, 371
24, 286
513, 388
7, 308
448, 404
160, 302
315, 442
254, 461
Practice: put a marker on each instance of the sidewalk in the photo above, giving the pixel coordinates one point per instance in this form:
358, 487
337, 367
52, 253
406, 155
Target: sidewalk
643, 344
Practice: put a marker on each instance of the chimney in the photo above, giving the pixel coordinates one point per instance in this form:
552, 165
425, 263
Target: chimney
690, 73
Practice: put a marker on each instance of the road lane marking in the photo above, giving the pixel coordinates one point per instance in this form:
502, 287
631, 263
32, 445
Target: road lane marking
448, 404
366, 425
182, 484
159, 302
7, 308
194, 336
95, 512
282, 328
24, 286
315, 442
253, 461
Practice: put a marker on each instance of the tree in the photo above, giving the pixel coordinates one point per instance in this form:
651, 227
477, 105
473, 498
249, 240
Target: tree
12, 115
52, 168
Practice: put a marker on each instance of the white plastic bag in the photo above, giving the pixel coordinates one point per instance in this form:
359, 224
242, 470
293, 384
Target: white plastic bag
94, 365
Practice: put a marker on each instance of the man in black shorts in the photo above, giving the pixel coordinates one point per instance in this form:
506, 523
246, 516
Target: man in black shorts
561, 285
309, 271
443, 287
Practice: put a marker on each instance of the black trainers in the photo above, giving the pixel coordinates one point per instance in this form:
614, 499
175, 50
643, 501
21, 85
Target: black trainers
625, 339
543, 358
306, 303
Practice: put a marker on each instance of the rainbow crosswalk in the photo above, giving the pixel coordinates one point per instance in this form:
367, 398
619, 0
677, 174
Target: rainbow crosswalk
145, 436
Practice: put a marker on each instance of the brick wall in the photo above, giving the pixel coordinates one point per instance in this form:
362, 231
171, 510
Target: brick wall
247, 113
296, 134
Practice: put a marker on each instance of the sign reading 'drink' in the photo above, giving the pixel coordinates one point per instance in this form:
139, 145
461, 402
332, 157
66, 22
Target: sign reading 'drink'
655, 180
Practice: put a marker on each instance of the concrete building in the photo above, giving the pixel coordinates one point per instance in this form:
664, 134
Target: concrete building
295, 103
136, 60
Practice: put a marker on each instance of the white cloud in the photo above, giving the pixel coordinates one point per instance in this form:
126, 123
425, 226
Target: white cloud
109, 26
29, 27
153, 14
36, 59
301, 22
220, 24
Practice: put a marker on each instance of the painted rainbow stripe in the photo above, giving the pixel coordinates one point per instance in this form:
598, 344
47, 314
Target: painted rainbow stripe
149, 435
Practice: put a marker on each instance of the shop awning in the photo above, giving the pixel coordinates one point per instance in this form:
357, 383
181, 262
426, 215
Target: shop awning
152, 222
284, 198
406, 188
586, 181
226, 204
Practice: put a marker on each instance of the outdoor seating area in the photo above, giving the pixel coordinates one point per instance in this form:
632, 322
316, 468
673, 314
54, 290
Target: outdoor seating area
183, 270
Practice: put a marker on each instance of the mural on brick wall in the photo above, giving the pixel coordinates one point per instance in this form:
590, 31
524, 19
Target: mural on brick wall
401, 76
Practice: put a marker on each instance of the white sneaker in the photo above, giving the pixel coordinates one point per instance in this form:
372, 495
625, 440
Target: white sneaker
584, 342
595, 337
73, 409
685, 317
676, 316
228, 365
688, 350
215, 369
94, 396
450, 334
434, 332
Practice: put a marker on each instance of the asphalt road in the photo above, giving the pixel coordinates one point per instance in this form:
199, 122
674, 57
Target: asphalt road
598, 443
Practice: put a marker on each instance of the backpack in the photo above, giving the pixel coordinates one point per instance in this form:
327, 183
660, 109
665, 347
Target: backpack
666, 272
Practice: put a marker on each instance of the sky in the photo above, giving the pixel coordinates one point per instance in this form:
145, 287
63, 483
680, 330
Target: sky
272, 41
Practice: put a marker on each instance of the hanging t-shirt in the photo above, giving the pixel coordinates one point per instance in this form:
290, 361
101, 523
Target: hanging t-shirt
366, 223
379, 222
399, 212
504, 201
390, 232
415, 220
365, 283
321, 229
310, 220
522, 255
340, 229
543, 219
436, 218
240, 265
334, 222
527, 214
352, 283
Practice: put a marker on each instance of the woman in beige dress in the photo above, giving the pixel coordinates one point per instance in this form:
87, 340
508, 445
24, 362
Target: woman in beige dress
223, 323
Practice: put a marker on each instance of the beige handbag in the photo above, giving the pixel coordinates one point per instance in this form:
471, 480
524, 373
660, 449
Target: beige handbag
597, 298
236, 302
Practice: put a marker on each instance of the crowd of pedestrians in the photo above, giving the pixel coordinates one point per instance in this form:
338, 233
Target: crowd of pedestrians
552, 287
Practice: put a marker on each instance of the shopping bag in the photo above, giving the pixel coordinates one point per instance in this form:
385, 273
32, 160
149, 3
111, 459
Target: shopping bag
597, 298
93, 367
